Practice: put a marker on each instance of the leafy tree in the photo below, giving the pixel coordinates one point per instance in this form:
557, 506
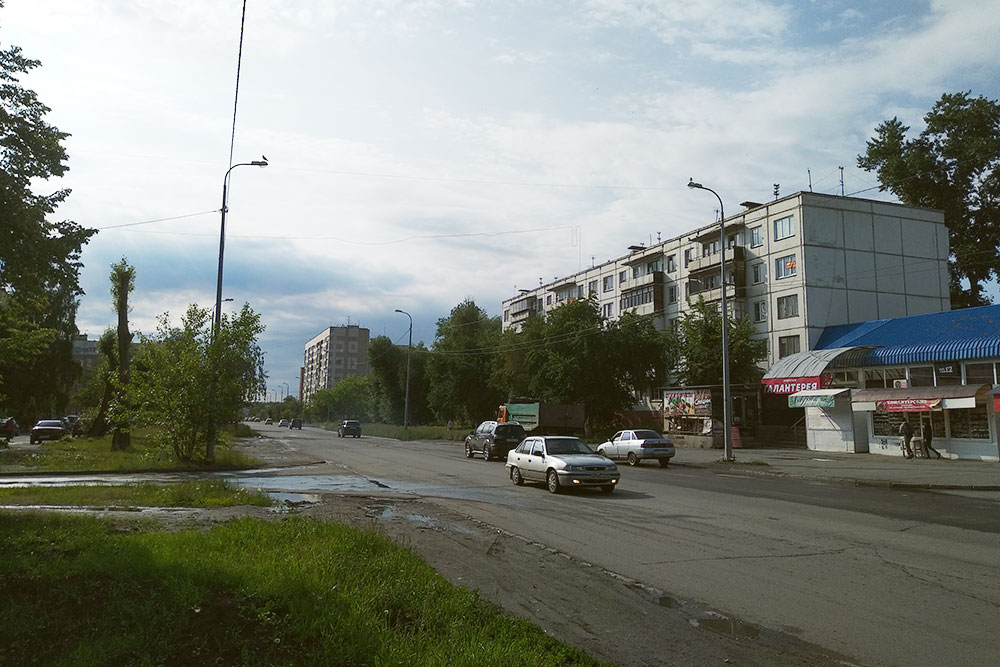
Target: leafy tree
122, 284
575, 355
952, 165
700, 340
39, 259
387, 370
183, 381
350, 398
104, 378
458, 370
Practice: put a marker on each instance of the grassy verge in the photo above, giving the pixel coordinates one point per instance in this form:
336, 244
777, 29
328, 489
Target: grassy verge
77, 591
411, 433
95, 454
205, 493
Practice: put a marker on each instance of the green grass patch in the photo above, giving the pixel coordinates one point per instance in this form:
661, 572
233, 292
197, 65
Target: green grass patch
79, 591
433, 432
95, 454
202, 493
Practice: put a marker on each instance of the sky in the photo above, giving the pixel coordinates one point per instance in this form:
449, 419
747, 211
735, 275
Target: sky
426, 152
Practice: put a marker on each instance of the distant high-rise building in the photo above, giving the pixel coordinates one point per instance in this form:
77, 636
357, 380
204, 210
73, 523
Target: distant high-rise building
332, 355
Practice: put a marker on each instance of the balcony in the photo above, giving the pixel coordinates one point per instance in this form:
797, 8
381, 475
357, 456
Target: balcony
734, 254
523, 315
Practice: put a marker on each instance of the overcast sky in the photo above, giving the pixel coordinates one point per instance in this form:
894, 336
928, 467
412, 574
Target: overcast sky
425, 152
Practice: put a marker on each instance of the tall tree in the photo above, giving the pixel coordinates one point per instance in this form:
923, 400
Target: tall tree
122, 284
700, 338
39, 259
350, 398
387, 364
952, 165
458, 368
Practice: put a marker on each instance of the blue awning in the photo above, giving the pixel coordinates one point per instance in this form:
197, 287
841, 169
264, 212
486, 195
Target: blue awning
899, 355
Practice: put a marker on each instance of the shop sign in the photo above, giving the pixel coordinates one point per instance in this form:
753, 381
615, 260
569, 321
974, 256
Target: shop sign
694, 402
948, 370
793, 385
908, 405
811, 401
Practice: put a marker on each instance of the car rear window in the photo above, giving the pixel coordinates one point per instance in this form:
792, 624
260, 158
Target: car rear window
511, 431
50, 424
646, 435
352, 423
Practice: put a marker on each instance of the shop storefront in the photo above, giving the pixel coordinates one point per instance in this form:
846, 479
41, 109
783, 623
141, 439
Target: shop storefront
829, 420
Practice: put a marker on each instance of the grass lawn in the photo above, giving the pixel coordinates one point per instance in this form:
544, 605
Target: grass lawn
203, 493
83, 591
84, 453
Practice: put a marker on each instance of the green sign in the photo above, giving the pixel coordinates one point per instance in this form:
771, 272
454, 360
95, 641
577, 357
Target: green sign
811, 401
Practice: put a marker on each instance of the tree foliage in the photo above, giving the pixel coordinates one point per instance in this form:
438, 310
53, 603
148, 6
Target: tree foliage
458, 370
575, 355
122, 284
952, 165
700, 347
181, 375
39, 259
350, 398
387, 369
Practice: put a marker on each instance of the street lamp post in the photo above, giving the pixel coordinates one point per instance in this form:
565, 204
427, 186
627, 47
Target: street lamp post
727, 399
217, 321
409, 346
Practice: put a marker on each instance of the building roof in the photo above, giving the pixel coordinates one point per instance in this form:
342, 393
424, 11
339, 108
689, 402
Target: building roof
969, 333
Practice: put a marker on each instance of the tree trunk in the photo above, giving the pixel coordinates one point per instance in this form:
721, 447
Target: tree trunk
121, 439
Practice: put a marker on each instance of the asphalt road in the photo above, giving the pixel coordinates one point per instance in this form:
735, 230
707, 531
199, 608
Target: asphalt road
888, 577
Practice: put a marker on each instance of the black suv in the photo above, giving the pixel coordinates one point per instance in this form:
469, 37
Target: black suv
349, 427
296, 423
494, 439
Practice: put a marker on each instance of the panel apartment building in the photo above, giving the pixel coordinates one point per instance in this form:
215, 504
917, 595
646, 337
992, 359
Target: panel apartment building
795, 266
332, 355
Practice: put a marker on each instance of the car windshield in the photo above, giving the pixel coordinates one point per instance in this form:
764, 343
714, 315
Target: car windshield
510, 431
352, 423
646, 435
50, 424
567, 446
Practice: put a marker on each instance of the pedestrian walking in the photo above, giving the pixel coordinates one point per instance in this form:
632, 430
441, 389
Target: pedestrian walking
925, 441
906, 436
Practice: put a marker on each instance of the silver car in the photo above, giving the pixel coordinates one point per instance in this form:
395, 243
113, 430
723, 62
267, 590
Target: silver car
634, 446
561, 462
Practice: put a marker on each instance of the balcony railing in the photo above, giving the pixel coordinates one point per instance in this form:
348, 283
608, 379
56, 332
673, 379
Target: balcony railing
734, 254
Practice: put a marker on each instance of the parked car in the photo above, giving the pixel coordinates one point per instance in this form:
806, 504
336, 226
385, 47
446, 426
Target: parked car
296, 423
349, 427
269, 421
634, 446
494, 439
47, 429
283, 423
560, 462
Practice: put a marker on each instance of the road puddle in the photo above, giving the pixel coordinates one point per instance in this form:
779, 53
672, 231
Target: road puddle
726, 626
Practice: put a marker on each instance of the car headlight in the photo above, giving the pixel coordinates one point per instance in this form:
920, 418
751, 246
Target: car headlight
574, 468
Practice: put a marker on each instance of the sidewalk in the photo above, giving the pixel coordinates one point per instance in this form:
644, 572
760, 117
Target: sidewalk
853, 469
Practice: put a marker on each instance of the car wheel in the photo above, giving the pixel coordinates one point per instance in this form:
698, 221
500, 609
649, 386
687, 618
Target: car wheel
552, 480
358, 435
609, 488
633, 460
487, 453
468, 450
515, 476
32, 441
664, 463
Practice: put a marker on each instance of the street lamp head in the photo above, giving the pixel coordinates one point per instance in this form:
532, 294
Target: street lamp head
258, 163
695, 186
398, 310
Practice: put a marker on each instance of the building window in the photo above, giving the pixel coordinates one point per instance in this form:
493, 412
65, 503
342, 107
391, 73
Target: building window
622, 277
979, 373
548, 299
687, 256
580, 293
784, 228
784, 267
709, 248
636, 272
921, 376
671, 263
606, 310
505, 315
675, 323
636, 298
787, 346
654, 266
760, 311
756, 237
759, 273
672, 294
608, 283
788, 306
971, 423
592, 287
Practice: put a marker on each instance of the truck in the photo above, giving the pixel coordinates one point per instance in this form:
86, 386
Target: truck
548, 418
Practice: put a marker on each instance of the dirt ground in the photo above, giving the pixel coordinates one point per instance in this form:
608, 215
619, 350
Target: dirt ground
609, 616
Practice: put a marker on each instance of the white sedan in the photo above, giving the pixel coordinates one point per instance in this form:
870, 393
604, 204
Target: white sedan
634, 446
561, 463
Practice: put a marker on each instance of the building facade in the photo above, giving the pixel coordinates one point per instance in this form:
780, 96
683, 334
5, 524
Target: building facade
332, 355
795, 266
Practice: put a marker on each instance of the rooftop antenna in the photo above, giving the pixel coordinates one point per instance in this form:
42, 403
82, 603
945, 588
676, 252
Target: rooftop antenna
841, 181
658, 237
592, 260
810, 174
777, 189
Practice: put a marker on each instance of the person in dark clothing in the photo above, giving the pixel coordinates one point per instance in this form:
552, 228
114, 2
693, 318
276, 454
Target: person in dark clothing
925, 441
906, 435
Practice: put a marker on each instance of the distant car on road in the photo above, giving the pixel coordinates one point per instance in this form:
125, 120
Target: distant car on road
494, 439
561, 462
634, 446
296, 423
269, 421
47, 429
283, 423
349, 427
